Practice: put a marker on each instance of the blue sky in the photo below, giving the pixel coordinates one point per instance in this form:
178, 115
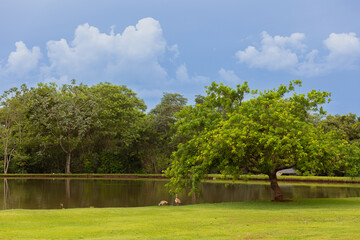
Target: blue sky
156, 46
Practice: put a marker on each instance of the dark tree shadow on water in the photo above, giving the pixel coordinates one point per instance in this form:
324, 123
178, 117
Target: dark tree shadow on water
6, 193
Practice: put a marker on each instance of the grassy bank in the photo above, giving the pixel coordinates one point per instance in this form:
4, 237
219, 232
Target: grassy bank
218, 177
300, 219
315, 179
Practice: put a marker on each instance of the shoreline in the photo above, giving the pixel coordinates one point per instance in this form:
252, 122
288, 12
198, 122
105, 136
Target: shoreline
213, 177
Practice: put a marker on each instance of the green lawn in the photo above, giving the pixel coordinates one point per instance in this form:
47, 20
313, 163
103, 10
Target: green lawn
300, 219
316, 179
217, 177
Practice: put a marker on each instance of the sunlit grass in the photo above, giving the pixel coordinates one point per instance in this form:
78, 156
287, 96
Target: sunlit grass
324, 179
300, 219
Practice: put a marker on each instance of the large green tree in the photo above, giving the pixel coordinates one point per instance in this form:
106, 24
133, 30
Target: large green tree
63, 114
269, 132
121, 116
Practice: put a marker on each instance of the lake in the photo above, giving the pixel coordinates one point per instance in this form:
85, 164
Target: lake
84, 193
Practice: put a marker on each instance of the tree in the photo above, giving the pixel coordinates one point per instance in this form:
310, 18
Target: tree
348, 125
343, 128
158, 143
11, 119
66, 114
265, 134
121, 114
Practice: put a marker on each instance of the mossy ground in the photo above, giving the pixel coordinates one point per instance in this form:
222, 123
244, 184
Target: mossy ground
299, 219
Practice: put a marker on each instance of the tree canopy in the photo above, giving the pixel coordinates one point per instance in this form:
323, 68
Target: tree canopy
104, 129
157, 144
66, 114
269, 132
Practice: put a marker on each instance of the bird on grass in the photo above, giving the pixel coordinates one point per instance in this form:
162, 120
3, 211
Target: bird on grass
177, 201
163, 203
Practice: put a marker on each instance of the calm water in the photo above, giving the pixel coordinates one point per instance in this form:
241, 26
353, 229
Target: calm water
78, 193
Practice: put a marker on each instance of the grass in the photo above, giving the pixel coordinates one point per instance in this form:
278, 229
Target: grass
324, 179
315, 179
300, 219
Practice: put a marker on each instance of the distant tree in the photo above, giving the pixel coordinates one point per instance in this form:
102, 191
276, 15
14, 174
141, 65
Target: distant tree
158, 143
121, 114
342, 128
348, 125
199, 99
66, 114
12, 121
265, 134
164, 112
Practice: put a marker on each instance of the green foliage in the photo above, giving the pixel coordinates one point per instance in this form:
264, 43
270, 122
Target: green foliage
103, 128
65, 113
348, 125
344, 131
122, 120
110, 163
158, 144
265, 134
12, 123
120, 113
164, 112
76, 123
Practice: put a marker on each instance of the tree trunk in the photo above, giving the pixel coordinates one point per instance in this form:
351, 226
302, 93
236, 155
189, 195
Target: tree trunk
278, 196
68, 160
154, 165
6, 164
6, 159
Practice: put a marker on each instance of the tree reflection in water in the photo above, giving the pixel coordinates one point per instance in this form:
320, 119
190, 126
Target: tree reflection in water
6, 193
75, 193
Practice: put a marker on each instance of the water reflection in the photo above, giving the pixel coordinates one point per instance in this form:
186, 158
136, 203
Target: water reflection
75, 193
6, 193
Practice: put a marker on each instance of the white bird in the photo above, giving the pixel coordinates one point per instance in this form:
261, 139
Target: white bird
163, 203
177, 201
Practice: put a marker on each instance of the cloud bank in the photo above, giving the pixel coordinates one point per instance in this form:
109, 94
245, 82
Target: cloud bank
22, 60
141, 58
291, 53
92, 56
135, 57
275, 52
135, 52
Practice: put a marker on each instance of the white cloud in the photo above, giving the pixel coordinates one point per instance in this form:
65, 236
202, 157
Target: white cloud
183, 76
134, 52
182, 73
344, 49
275, 52
290, 53
175, 50
229, 76
22, 60
310, 66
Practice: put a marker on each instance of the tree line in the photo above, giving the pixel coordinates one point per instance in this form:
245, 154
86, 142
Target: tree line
105, 129
81, 129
